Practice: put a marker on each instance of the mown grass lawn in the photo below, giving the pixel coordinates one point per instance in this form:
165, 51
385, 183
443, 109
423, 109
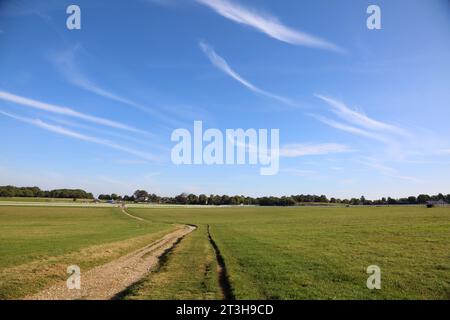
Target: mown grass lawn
39, 243
270, 253
323, 253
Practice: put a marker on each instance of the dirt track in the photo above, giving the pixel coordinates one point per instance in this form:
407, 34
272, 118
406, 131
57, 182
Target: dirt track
106, 281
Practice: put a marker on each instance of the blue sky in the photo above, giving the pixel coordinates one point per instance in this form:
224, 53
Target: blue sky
360, 112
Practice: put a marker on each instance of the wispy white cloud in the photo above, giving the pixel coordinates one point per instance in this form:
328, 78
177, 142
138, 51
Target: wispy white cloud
267, 24
357, 118
102, 131
222, 65
399, 142
6, 96
76, 135
351, 129
300, 150
387, 171
65, 63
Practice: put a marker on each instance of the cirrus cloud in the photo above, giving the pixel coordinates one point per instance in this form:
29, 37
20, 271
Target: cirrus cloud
267, 24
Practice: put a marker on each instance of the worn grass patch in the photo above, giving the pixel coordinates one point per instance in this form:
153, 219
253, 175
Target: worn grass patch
189, 271
38, 243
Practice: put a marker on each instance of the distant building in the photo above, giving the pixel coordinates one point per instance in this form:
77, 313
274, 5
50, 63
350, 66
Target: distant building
438, 203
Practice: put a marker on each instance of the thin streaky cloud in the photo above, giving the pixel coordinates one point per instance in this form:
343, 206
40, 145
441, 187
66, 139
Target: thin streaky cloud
6, 96
357, 118
102, 131
300, 150
65, 63
297, 150
351, 129
222, 65
73, 134
387, 171
267, 24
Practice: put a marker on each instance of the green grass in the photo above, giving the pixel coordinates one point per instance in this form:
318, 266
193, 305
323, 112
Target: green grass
270, 253
188, 272
38, 243
323, 253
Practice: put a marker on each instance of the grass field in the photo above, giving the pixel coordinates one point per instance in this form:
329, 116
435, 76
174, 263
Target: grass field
323, 253
269, 253
38, 243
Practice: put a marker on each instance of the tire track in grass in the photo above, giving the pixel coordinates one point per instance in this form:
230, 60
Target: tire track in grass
110, 280
224, 280
123, 208
162, 260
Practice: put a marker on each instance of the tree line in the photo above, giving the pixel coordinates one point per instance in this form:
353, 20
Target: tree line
36, 192
202, 199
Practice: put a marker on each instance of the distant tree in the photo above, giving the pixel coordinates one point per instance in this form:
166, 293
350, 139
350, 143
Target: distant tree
140, 195
391, 201
202, 199
423, 198
192, 199
104, 197
216, 200
154, 198
362, 200
412, 200
181, 198
286, 201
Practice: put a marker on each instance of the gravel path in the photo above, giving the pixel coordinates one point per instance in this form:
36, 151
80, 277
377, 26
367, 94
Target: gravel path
106, 281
